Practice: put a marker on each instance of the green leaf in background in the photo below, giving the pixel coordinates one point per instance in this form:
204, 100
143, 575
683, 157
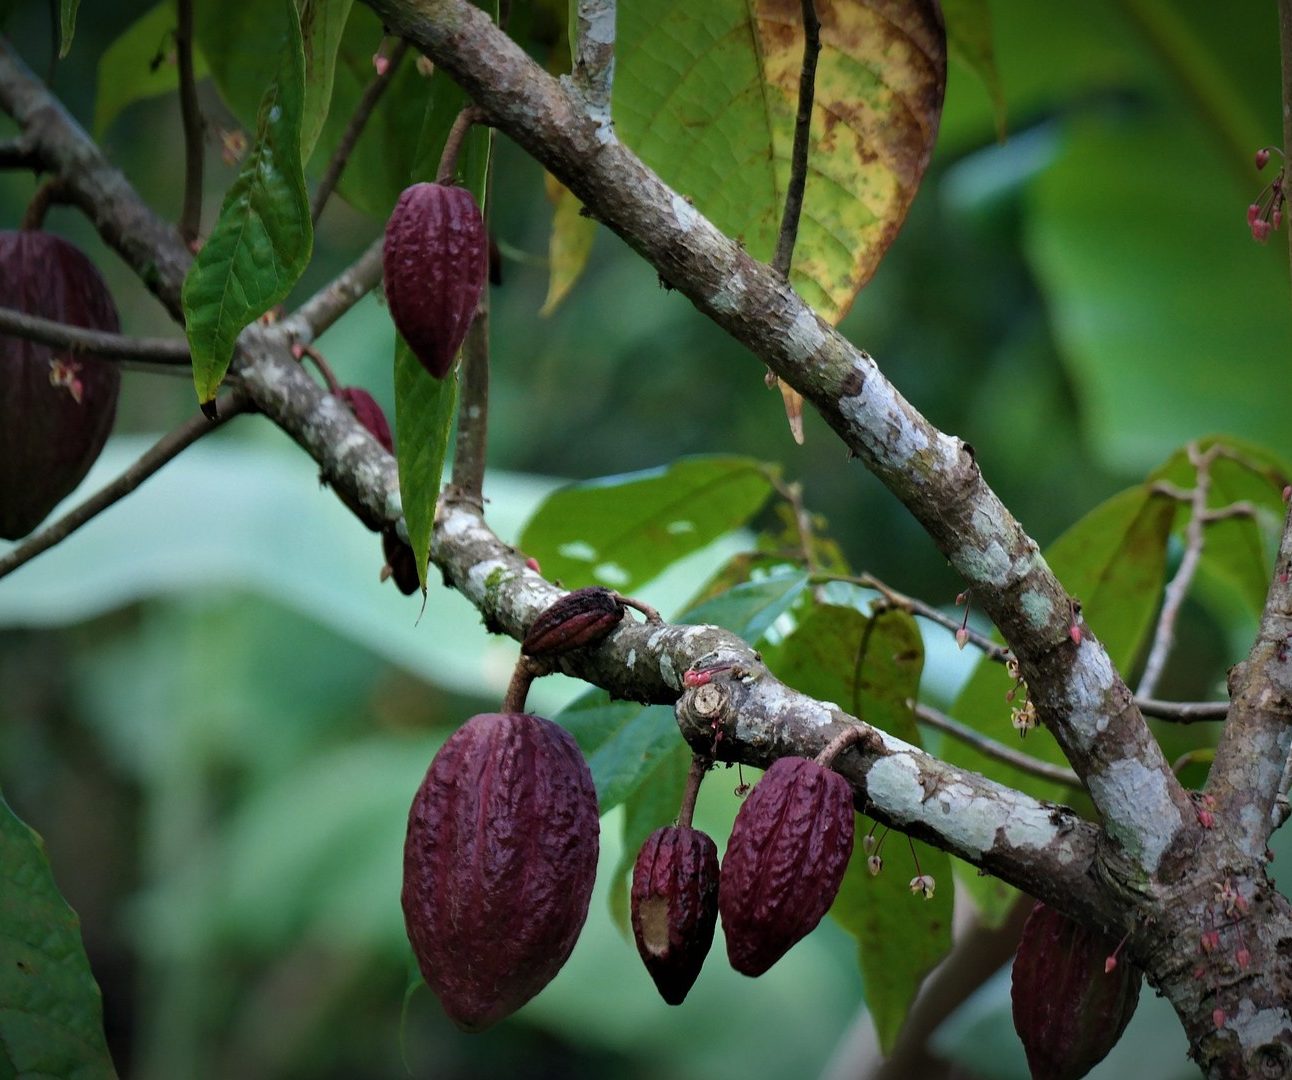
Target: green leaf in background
900, 937
424, 409
425, 406
263, 239
707, 95
623, 530
1238, 550
969, 40
51, 1012
569, 246
1114, 561
322, 22
140, 64
749, 610
66, 25
654, 803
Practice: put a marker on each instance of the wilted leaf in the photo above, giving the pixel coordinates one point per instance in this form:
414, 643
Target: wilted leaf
569, 246
707, 95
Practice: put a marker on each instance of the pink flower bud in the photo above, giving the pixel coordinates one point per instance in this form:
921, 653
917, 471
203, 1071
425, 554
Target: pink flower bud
1218, 1017
1262, 157
380, 63
1110, 965
962, 637
1074, 632
1260, 231
532, 563
1244, 958
1253, 212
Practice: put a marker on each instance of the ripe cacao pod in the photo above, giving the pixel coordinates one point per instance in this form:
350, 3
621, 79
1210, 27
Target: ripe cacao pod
675, 907
435, 259
579, 618
499, 863
786, 858
1068, 1010
56, 407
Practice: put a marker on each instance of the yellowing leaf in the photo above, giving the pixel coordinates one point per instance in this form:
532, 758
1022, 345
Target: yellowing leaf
569, 246
707, 95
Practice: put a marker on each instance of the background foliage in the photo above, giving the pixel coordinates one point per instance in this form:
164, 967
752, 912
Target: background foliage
215, 715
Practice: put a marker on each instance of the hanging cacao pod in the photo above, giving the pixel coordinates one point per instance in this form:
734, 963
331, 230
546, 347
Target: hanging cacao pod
675, 907
1069, 1011
499, 864
785, 861
56, 407
435, 259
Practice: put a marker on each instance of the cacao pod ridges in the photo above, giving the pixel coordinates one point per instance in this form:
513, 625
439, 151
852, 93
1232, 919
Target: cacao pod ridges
435, 259
499, 864
675, 907
579, 618
785, 861
56, 410
1069, 1007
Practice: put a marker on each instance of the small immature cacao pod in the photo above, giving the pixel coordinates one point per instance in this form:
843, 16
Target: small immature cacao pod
1068, 1010
499, 864
369, 414
580, 618
435, 259
56, 407
786, 858
402, 562
675, 907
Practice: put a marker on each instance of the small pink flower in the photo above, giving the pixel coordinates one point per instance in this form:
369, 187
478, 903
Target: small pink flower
1262, 157
924, 885
962, 637
874, 864
380, 63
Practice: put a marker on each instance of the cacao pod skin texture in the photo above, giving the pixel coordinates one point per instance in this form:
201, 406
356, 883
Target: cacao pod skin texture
786, 858
675, 907
435, 259
56, 408
579, 618
499, 863
1068, 1011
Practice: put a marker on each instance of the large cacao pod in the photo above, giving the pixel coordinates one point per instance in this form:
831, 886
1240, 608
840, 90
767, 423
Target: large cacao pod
435, 259
786, 858
56, 407
675, 907
1069, 1011
499, 863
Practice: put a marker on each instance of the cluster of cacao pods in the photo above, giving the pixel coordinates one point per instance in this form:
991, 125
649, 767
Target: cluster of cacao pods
56, 407
435, 258
1072, 999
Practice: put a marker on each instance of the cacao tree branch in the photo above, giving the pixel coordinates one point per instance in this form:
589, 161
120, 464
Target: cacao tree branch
1183, 712
470, 449
190, 217
164, 451
372, 94
594, 61
1079, 694
78, 339
998, 751
17, 154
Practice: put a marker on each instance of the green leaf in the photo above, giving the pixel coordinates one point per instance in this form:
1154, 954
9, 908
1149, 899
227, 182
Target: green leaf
969, 40
51, 1012
748, 610
66, 25
322, 22
263, 239
1114, 561
140, 64
653, 804
424, 405
569, 246
424, 408
623, 530
707, 95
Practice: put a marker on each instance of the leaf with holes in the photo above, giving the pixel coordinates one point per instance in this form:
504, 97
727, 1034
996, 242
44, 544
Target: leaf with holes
707, 95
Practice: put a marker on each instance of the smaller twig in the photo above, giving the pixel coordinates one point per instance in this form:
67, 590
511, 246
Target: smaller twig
324, 368
1183, 712
51, 191
1282, 808
354, 128
1240, 509
594, 60
190, 217
453, 143
802, 130
989, 747
527, 670
793, 494
17, 154
470, 450
640, 605
309, 321
78, 339
851, 735
699, 766
166, 449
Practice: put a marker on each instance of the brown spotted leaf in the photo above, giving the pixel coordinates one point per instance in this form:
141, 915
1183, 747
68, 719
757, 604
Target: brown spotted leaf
707, 93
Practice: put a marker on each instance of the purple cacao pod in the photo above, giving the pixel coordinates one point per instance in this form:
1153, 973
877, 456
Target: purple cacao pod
786, 858
675, 907
1069, 1011
369, 414
435, 259
499, 863
402, 562
579, 618
56, 407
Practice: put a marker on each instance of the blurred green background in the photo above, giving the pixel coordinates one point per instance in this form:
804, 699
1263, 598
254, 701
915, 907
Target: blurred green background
216, 715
